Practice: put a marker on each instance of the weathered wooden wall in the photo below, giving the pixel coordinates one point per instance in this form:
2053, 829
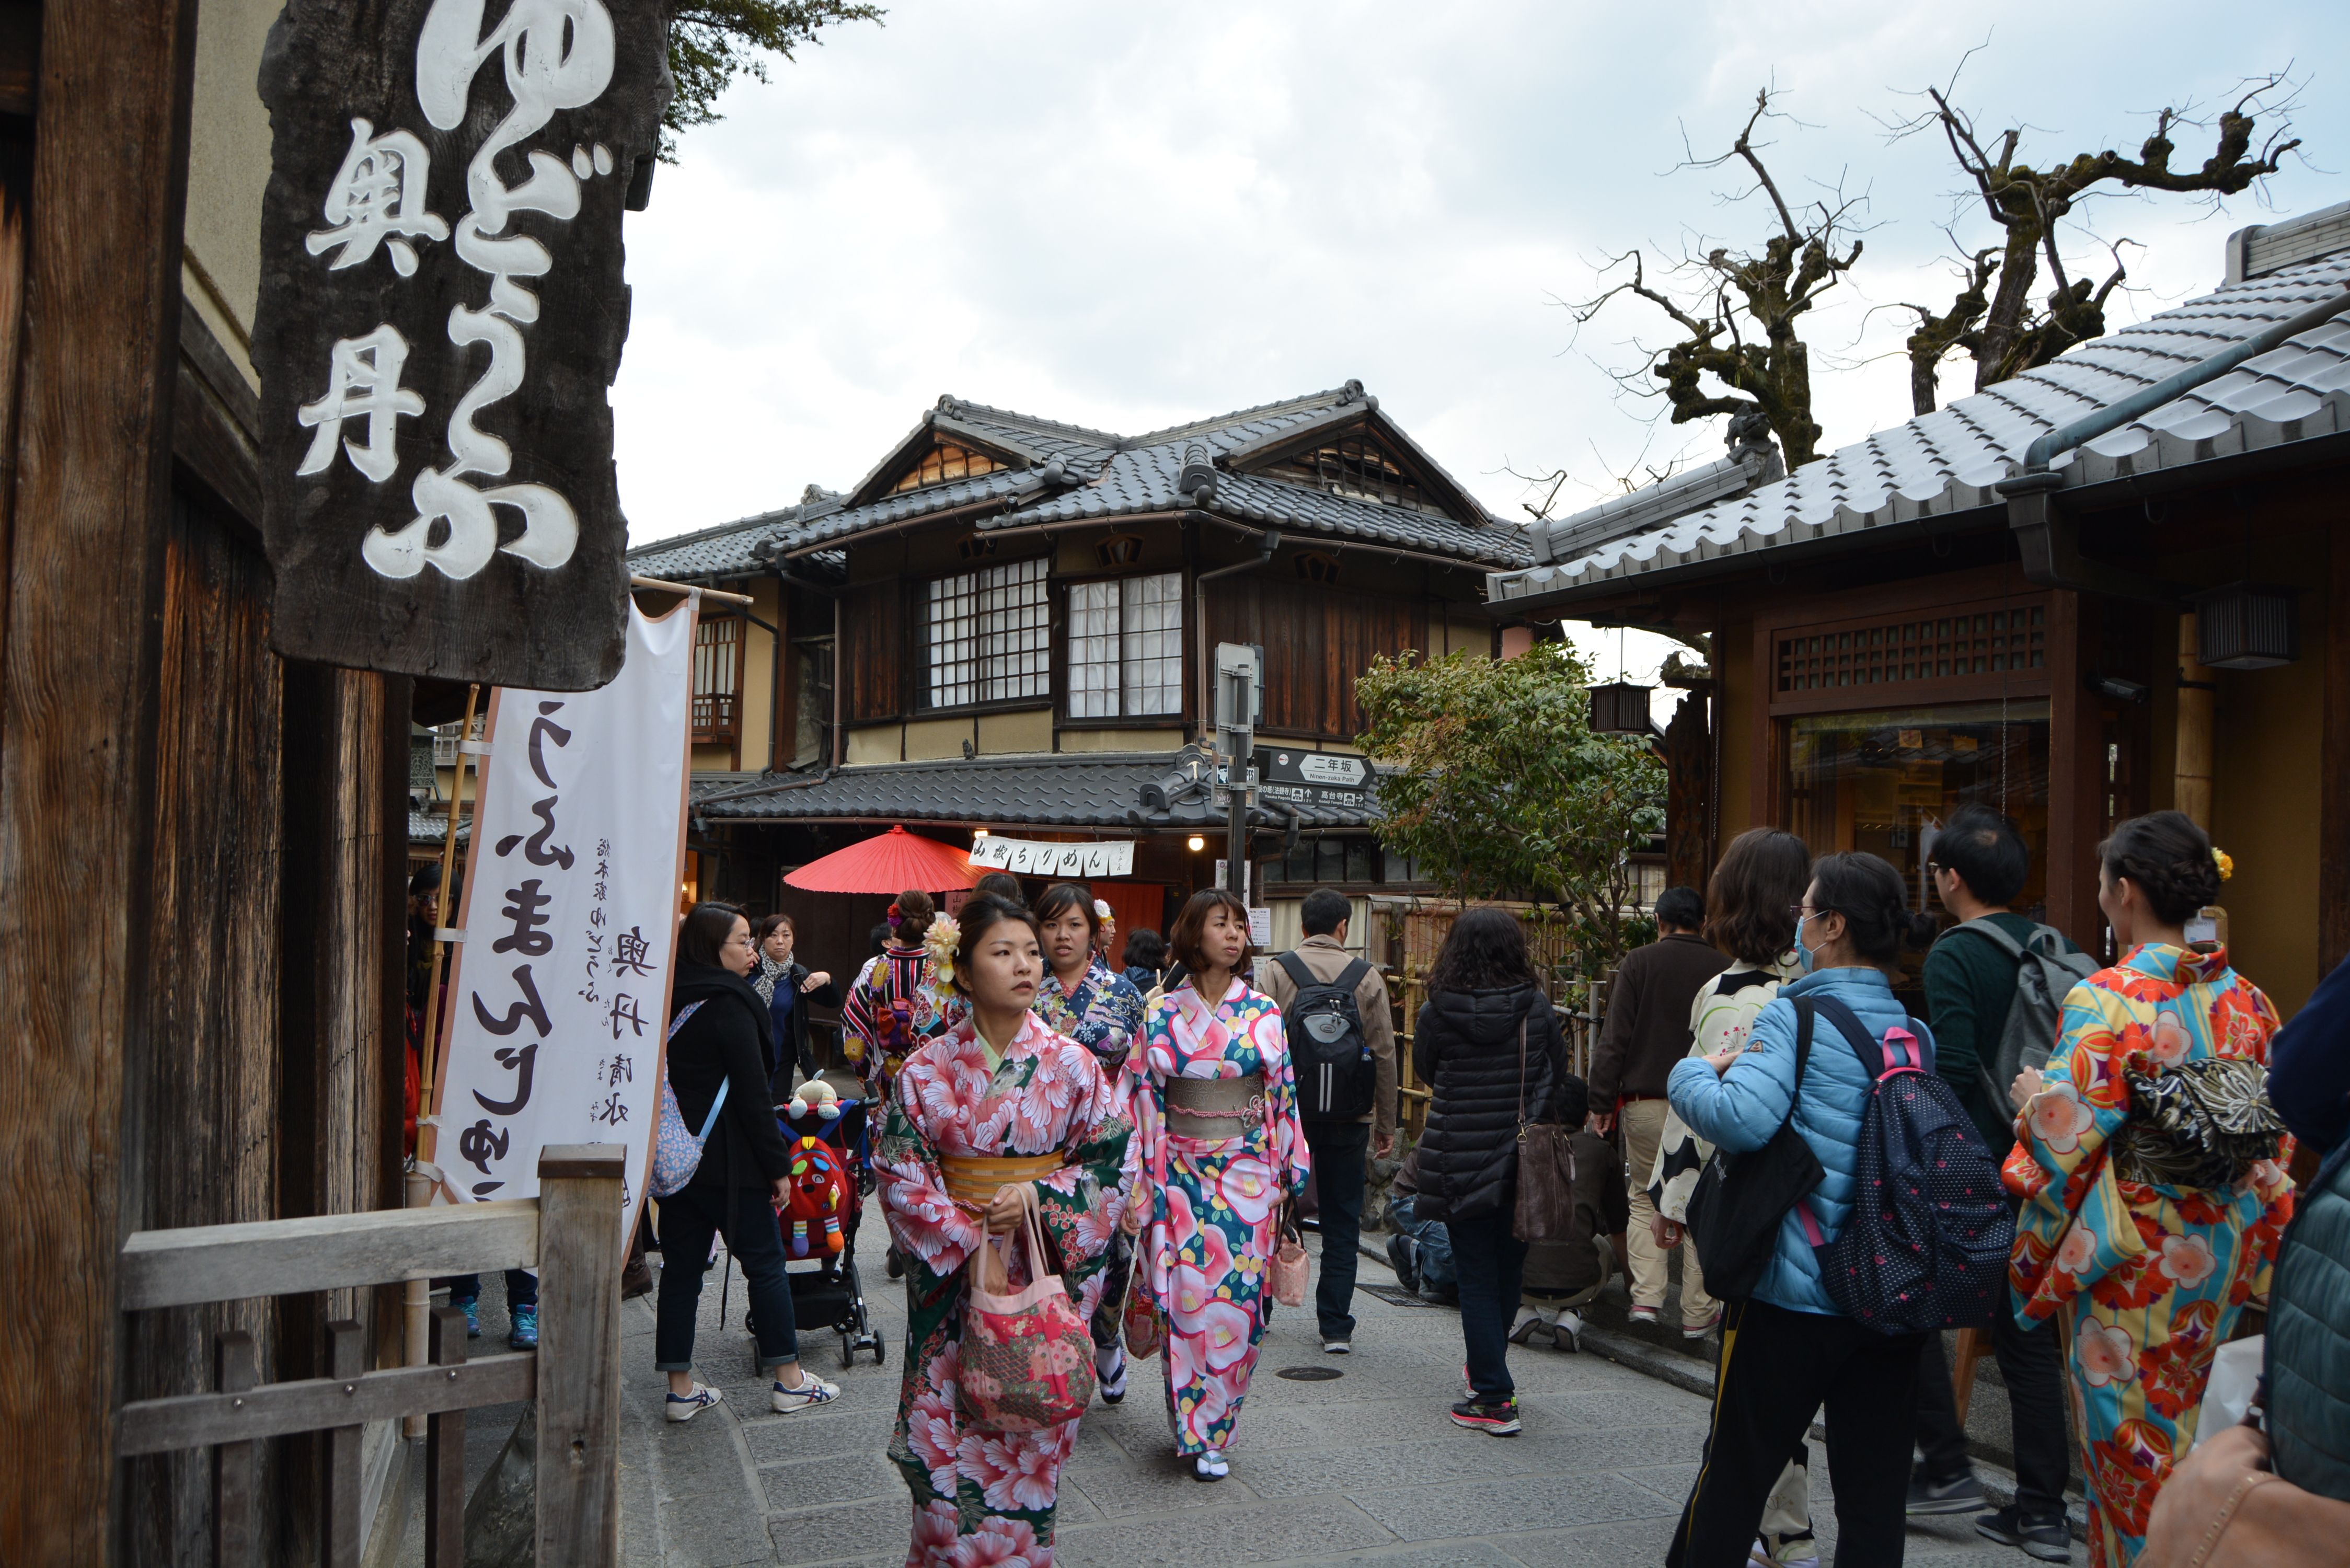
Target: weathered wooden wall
202, 1081
873, 655
1317, 640
77, 714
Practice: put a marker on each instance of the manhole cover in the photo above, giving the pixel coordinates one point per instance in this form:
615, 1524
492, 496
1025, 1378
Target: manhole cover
1398, 1296
1309, 1374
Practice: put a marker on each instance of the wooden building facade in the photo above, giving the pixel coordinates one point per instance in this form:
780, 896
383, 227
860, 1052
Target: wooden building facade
1005, 628
200, 842
1892, 635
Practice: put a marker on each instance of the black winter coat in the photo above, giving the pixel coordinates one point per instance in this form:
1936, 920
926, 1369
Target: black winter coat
728, 1037
1465, 1048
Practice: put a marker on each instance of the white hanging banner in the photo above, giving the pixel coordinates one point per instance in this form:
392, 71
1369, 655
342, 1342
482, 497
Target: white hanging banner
1024, 858
558, 996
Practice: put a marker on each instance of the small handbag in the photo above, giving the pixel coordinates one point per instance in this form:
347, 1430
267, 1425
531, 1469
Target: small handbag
677, 1149
1740, 1198
1546, 1203
1289, 1272
1027, 1359
1144, 1325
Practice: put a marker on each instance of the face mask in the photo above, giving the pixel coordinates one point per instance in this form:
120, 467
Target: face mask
1803, 959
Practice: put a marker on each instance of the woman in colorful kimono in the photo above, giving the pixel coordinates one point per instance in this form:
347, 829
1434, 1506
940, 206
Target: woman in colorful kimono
1102, 1011
997, 1104
1216, 1104
893, 1007
2143, 1245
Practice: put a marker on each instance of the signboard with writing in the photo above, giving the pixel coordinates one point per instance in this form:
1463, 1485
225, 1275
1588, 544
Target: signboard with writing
1024, 858
441, 312
559, 994
1320, 778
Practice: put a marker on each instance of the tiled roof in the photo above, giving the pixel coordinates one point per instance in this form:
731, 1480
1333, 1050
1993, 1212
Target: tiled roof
432, 827
1072, 789
1094, 475
1947, 461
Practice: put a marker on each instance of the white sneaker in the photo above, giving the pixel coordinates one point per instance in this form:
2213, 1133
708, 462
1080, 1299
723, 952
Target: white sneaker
1337, 1347
686, 1406
1529, 1323
813, 1391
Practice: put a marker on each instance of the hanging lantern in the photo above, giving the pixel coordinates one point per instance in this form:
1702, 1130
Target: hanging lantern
1619, 708
2248, 626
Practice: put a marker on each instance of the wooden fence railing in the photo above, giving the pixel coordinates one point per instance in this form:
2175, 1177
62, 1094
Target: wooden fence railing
570, 1232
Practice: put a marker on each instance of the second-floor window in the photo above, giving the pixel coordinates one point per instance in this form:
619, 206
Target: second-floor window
987, 635
1125, 647
717, 678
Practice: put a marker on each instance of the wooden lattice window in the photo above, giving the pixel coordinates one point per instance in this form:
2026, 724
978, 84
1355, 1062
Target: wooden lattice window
986, 632
1125, 647
1924, 648
947, 460
1359, 467
717, 680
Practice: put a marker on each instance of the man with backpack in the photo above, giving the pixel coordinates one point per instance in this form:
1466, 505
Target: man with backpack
1341, 1030
1994, 985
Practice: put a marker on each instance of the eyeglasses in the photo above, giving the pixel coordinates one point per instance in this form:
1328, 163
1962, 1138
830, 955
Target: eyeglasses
1800, 912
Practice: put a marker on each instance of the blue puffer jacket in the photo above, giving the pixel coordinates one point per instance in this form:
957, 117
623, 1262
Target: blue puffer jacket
1741, 1109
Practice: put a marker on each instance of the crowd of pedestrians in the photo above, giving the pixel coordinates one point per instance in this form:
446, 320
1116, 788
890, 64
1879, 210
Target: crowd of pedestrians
1119, 1160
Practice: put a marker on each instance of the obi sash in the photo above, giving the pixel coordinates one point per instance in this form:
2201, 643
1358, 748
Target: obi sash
1214, 1109
973, 1180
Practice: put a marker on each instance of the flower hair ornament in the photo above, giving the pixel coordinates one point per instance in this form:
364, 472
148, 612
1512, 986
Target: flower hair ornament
1107, 915
940, 942
2226, 863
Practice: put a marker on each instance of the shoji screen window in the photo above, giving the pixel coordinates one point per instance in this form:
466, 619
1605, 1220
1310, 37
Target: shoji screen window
1125, 647
987, 633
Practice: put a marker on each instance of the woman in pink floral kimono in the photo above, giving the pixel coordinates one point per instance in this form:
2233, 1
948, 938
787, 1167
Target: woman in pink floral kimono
997, 1103
1215, 1107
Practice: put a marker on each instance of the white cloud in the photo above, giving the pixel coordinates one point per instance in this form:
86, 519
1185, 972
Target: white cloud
1127, 216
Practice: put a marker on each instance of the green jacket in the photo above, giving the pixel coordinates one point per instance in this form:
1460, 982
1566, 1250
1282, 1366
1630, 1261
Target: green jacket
1970, 985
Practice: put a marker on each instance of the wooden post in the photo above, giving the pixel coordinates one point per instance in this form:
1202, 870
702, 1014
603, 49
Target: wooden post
445, 1456
416, 1299
96, 366
346, 1359
1962, 1376
2192, 783
235, 1368
579, 1251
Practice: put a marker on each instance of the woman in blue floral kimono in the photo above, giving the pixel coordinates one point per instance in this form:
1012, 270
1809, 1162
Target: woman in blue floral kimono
2144, 1246
1216, 1109
1102, 1011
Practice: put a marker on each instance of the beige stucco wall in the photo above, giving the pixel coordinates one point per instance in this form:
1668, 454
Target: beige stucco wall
1006, 734
1121, 740
228, 169
758, 719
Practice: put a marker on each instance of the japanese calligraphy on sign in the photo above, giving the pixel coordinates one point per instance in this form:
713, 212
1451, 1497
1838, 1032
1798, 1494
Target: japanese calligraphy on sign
559, 991
1033, 859
441, 312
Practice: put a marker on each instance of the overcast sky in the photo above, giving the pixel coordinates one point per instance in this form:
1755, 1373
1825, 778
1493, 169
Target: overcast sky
1129, 216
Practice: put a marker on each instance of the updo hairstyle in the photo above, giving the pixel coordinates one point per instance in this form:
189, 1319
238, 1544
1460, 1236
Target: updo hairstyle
910, 917
979, 914
2171, 860
1870, 896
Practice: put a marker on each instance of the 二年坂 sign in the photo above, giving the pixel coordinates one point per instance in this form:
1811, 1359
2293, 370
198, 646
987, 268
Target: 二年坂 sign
442, 311
558, 999
1025, 859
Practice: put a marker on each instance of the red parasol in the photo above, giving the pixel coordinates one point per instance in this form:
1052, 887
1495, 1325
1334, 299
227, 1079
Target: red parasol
889, 863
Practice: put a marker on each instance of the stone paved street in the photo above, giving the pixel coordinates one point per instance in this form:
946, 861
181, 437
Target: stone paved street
1364, 1469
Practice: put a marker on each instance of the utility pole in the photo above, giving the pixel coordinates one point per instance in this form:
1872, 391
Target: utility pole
1240, 687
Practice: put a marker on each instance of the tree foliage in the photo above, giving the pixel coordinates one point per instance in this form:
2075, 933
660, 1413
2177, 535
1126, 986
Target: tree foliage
2002, 328
711, 42
1500, 787
1739, 312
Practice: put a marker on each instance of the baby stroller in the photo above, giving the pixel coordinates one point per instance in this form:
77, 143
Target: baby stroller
827, 1292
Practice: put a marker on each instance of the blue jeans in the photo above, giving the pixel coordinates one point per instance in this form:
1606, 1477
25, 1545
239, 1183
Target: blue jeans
688, 1221
1492, 1264
522, 1290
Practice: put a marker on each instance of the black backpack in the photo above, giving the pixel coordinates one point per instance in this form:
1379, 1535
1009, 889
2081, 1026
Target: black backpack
1926, 1245
1740, 1199
1329, 1049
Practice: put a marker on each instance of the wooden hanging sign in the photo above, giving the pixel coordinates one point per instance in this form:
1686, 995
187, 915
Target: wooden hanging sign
441, 314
